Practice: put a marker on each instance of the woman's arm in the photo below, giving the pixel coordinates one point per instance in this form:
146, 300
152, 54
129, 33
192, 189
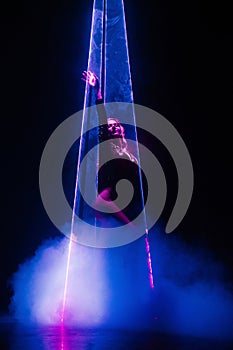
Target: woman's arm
93, 81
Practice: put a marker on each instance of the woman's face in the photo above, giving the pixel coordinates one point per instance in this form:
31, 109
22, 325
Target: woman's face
114, 128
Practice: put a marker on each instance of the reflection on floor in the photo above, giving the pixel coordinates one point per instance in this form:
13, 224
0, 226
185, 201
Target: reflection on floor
14, 336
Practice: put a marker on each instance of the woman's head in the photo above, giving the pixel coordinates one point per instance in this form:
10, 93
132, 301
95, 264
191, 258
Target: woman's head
116, 132
115, 129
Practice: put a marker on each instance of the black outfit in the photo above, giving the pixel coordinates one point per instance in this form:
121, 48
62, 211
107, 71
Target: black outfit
116, 169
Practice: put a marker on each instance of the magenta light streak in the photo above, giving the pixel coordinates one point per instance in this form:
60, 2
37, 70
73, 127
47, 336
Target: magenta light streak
76, 186
149, 261
63, 346
66, 280
151, 279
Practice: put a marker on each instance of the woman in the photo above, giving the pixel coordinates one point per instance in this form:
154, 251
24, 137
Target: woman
111, 172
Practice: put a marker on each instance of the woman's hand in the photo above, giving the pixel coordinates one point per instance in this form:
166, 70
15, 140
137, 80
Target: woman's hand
92, 79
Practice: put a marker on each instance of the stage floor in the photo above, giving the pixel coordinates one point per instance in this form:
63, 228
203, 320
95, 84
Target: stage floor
14, 336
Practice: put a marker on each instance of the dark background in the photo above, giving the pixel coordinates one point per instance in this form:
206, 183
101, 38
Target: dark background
181, 63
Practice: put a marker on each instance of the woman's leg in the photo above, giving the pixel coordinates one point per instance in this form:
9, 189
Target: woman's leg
104, 202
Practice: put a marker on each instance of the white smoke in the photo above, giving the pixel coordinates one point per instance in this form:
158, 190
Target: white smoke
39, 285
